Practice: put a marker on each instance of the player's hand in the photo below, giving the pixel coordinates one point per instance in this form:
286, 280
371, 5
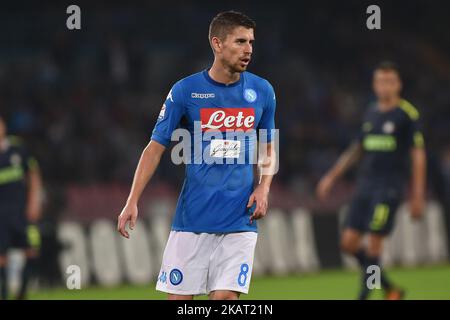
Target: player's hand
128, 215
260, 195
324, 187
417, 205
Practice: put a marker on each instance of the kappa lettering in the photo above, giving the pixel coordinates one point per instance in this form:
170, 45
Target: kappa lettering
196, 95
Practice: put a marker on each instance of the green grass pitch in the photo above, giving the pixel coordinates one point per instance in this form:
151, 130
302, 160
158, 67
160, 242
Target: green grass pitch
432, 282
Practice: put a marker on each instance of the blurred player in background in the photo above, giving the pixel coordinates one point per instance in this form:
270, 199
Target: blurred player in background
390, 135
20, 207
211, 245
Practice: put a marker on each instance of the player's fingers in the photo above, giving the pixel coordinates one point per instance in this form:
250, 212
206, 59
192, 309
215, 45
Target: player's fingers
119, 223
124, 233
254, 216
257, 208
263, 210
121, 226
257, 216
132, 222
258, 213
251, 200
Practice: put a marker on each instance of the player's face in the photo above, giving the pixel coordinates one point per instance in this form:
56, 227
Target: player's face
386, 84
237, 48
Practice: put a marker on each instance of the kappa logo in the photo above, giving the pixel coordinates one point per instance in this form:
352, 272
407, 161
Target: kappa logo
196, 95
175, 277
169, 96
163, 277
224, 119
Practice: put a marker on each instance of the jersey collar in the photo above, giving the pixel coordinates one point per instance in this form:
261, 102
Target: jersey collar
214, 82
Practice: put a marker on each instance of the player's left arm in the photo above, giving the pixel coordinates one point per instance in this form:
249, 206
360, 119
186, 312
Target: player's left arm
267, 160
267, 167
418, 168
34, 181
418, 161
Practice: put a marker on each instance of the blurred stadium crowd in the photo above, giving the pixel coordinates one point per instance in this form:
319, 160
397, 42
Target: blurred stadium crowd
86, 101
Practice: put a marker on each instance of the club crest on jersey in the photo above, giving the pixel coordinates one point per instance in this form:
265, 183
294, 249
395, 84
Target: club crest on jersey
388, 127
175, 277
224, 119
250, 95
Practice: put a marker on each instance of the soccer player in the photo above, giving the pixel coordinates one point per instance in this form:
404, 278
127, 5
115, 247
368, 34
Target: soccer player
213, 236
390, 135
20, 207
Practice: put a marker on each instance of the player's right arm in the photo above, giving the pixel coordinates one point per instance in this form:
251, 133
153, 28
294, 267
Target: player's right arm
418, 161
347, 159
168, 120
146, 167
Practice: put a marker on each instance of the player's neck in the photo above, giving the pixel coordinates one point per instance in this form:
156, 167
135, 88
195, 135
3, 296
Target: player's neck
389, 104
223, 75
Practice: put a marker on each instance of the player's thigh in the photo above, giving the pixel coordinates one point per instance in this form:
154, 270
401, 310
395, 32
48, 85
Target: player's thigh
19, 236
184, 268
359, 209
224, 295
180, 297
231, 263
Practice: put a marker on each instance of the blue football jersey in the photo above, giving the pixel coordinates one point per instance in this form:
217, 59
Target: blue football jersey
222, 122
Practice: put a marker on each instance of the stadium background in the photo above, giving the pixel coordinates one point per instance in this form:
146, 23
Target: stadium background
86, 101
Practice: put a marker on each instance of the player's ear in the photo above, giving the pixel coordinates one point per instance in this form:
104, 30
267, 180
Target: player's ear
216, 44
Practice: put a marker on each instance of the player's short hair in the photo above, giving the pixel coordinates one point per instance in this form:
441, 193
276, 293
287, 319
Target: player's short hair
224, 23
387, 66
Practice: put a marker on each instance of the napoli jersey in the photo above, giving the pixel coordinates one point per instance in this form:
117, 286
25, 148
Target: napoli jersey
387, 138
222, 122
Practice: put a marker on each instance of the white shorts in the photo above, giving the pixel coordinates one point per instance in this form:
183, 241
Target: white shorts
198, 263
